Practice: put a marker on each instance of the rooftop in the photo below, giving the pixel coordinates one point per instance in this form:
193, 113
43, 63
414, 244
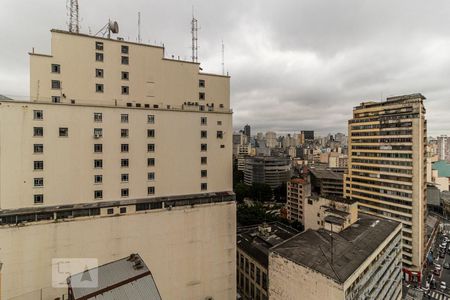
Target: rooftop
443, 168
351, 247
253, 241
325, 174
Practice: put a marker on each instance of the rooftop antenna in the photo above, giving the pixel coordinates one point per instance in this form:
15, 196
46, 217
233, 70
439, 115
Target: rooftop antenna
139, 27
74, 21
223, 58
194, 32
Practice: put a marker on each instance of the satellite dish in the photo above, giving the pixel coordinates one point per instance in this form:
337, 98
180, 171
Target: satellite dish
113, 26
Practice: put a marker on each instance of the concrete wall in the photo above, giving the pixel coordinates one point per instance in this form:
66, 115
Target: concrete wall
190, 251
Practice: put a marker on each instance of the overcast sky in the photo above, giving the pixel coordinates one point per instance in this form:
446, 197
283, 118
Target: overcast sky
294, 64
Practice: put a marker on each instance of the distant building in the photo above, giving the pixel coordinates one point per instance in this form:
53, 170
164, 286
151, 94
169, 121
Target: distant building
440, 175
126, 278
362, 261
298, 190
253, 245
270, 170
306, 136
325, 182
247, 131
271, 139
443, 147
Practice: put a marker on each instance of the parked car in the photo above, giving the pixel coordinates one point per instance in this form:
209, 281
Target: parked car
443, 285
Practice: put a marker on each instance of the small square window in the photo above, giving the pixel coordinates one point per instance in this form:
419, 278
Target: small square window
38, 131
151, 119
124, 192
201, 83
124, 49
56, 99
220, 134
124, 133
98, 163
204, 121
38, 199
39, 182
124, 163
56, 84
124, 177
150, 147
124, 118
151, 133
98, 117
201, 96
204, 173
125, 90
56, 68
38, 148
147, 105
204, 186
150, 162
98, 194
204, 160
98, 56
222, 146
38, 115
63, 132
98, 178
110, 211
99, 46
125, 76
98, 133
99, 73
38, 165
203, 134
204, 147
219, 122
151, 176
151, 190
155, 106
125, 60
99, 88
129, 104
124, 148
123, 210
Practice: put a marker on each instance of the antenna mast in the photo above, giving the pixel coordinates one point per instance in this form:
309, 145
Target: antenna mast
139, 27
223, 58
74, 21
194, 31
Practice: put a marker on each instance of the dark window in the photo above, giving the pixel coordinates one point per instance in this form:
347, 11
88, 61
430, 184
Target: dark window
124, 177
98, 178
124, 192
56, 84
123, 210
39, 182
220, 134
150, 119
38, 131
63, 131
98, 117
219, 122
124, 49
150, 161
38, 115
99, 46
222, 146
203, 134
38, 165
98, 56
124, 148
98, 132
151, 190
125, 60
204, 186
151, 147
38, 198
99, 88
124, 118
151, 133
125, 76
124, 162
204, 160
201, 83
56, 68
98, 163
99, 73
129, 104
124, 133
203, 121
38, 148
98, 194
204, 173
56, 99
203, 147
201, 96
110, 211
151, 176
125, 90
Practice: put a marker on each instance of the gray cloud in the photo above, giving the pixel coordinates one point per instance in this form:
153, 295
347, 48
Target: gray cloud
294, 64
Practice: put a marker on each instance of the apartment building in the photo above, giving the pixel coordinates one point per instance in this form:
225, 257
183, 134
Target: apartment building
270, 170
326, 182
387, 168
443, 143
362, 261
120, 150
298, 191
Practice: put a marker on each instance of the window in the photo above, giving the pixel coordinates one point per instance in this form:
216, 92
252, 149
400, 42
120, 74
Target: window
124, 118
38, 115
124, 192
129, 104
98, 163
123, 210
151, 176
56, 84
204, 160
99, 73
125, 90
124, 162
56, 68
98, 132
124, 49
124, 148
99, 88
38, 165
110, 211
98, 148
151, 190
150, 161
222, 146
98, 194
204, 186
125, 76
219, 122
201, 96
98, 56
203, 147
125, 60
220, 134
99, 46
204, 121
38, 148
38, 131
150, 119
151, 133
201, 83
98, 178
150, 147
38, 199
39, 182
63, 132
124, 133
56, 99
203, 134
124, 177
204, 173
98, 117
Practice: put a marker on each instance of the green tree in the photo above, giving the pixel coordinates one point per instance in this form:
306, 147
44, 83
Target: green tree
261, 192
242, 191
280, 193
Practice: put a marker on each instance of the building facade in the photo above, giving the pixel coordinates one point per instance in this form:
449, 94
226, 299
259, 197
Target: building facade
270, 170
443, 147
387, 168
298, 191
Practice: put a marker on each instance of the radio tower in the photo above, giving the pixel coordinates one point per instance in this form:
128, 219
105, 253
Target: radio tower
194, 31
74, 21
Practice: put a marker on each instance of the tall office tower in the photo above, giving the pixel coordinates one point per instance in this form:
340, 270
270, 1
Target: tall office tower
271, 139
387, 168
247, 131
120, 151
443, 147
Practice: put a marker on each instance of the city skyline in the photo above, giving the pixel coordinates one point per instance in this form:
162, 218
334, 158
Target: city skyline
300, 83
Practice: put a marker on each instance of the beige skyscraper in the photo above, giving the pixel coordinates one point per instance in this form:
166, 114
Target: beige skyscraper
387, 168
